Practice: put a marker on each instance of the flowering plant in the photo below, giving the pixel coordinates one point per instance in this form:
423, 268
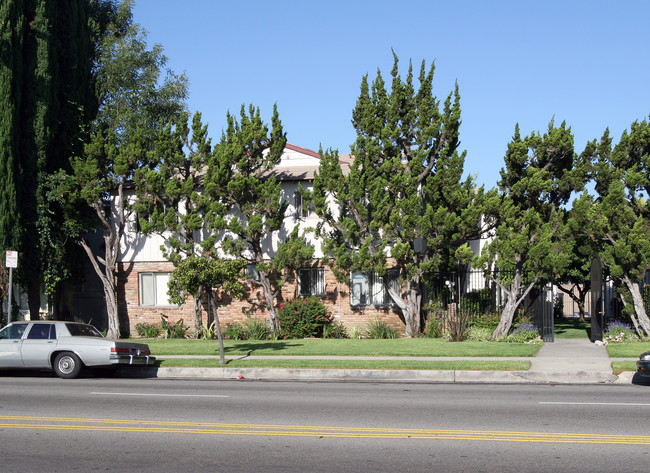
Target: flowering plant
619, 332
524, 333
303, 318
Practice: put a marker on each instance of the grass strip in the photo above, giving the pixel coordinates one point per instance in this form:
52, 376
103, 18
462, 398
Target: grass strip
620, 366
343, 347
494, 365
628, 349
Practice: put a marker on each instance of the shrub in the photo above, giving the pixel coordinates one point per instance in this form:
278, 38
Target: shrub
209, 332
619, 332
377, 329
524, 333
489, 321
256, 329
479, 334
303, 318
458, 325
176, 330
147, 330
356, 333
335, 330
234, 331
432, 328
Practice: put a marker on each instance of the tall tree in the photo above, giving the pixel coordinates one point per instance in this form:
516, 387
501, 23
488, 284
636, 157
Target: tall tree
11, 60
619, 218
404, 197
540, 173
134, 103
245, 205
169, 203
47, 53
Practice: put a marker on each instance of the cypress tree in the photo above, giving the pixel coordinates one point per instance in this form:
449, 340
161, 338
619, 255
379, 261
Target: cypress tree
47, 94
11, 45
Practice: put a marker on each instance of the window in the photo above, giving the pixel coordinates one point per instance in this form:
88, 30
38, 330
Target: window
13, 332
42, 332
311, 281
83, 330
301, 211
372, 289
153, 289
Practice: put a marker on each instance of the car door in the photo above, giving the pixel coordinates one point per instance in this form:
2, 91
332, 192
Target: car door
10, 345
38, 344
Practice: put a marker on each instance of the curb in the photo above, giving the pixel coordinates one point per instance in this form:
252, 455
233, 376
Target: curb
404, 376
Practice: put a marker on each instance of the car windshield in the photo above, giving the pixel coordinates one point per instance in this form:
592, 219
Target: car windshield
82, 330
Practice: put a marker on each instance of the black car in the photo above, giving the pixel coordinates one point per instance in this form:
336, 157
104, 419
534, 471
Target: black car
643, 364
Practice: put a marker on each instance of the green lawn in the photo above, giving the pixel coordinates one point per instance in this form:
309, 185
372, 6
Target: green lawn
342, 347
494, 365
572, 328
627, 350
619, 366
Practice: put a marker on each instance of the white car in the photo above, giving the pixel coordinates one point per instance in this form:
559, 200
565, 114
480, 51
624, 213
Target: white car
66, 347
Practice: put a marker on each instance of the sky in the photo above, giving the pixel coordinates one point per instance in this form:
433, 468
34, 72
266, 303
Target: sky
586, 63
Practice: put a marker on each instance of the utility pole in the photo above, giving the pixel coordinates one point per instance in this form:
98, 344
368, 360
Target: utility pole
11, 260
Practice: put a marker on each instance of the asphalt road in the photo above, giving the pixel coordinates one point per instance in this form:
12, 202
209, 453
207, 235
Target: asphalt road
153, 425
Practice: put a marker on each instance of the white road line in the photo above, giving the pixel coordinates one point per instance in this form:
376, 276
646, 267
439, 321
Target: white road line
157, 394
596, 403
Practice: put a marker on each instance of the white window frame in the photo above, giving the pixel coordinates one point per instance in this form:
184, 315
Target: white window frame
156, 295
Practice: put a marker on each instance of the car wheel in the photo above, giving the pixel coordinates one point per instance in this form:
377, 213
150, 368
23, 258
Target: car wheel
67, 365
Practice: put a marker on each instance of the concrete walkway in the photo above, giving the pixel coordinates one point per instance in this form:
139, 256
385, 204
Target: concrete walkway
565, 361
579, 360
572, 355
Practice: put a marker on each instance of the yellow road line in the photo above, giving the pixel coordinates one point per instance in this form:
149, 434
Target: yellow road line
209, 428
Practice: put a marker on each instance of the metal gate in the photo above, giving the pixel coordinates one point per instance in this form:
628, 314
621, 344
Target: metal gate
544, 317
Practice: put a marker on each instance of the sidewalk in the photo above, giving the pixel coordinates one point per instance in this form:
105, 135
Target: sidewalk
565, 361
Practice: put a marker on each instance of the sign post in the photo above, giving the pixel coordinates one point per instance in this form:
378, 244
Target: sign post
11, 259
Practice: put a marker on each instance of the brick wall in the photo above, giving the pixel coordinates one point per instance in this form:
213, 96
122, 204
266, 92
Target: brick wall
337, 298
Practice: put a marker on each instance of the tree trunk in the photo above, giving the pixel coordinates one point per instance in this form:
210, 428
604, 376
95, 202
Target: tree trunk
112, 236
508, 313
581, 310
639, 307
198, 320
507, 316
637, 329
412, 312
213, 307
270, 302
111, 308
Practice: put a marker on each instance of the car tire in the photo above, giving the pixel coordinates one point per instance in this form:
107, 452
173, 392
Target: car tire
67, 365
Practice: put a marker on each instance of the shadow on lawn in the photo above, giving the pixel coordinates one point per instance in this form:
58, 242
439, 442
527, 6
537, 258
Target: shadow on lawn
572, 328
250, 348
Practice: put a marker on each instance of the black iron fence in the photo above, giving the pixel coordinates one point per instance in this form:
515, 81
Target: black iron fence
462, 298
465, 297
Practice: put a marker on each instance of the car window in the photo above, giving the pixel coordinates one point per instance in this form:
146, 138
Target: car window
13, 331
40, 332
83, 330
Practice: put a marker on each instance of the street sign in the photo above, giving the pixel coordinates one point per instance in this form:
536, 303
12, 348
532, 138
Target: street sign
12, 259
